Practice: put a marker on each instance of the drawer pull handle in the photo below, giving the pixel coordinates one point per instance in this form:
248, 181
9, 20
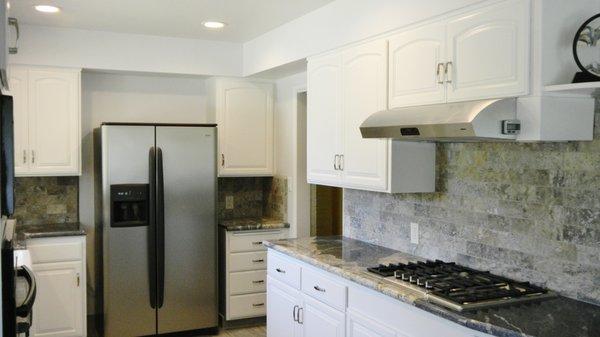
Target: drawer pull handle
301, 310
257, 243
256, 305
280, 270
317, 288
296, 318
258, 261
258, 281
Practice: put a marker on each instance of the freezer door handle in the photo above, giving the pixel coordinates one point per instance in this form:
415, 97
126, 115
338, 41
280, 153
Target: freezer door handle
152, 227
160, 226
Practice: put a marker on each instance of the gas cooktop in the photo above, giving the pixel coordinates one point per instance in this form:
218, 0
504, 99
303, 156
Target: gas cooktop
458, 287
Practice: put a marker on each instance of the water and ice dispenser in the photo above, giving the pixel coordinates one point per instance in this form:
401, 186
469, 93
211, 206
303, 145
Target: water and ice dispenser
129, 205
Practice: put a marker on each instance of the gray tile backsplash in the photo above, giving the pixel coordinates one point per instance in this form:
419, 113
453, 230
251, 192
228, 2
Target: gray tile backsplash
43, 200
527, 211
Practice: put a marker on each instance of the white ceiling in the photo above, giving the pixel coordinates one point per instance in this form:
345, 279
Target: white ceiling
246, 19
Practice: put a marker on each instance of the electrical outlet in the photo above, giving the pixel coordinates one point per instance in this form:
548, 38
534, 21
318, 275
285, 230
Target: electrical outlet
414, 233
229, 202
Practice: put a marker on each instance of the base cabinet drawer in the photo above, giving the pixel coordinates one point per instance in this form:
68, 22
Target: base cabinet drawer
243, 306
247, 282
284, 270
245, 241
247, 261
324, 289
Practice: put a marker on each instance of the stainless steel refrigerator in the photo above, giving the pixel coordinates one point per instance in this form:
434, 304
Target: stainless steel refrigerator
159, 228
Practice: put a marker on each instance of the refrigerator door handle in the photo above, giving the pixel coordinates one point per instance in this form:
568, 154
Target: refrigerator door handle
160, 226
152, 227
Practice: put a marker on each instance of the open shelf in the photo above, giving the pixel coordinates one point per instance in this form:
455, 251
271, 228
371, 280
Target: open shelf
582, 89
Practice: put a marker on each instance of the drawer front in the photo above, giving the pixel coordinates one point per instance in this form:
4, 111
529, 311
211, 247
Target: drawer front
324, 289
284, 270
245, 241
247, 282
245, 306
48, 250
248, 261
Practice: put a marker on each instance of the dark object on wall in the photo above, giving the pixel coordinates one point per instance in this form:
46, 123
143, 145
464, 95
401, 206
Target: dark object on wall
586, 51
7, 162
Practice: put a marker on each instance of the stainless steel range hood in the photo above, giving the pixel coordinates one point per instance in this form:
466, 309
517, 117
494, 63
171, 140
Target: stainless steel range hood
465, 121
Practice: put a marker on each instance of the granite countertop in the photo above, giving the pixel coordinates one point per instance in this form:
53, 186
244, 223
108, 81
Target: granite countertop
349, 259
25, 232
249, 224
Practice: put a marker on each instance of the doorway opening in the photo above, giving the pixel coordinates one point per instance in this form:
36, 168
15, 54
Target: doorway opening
325, 210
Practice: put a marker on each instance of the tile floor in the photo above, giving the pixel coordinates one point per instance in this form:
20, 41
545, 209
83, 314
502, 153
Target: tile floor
259, 331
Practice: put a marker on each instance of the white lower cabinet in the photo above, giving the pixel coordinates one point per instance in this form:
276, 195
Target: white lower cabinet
244, 275
326, 305
360, 326
59, 268
318, 319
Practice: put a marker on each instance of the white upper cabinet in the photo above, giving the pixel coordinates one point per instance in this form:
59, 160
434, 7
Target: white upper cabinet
488, 52
417, 61
47, 117
18, 88
324, 108
479, 54
243, 111
344, 88
364, 161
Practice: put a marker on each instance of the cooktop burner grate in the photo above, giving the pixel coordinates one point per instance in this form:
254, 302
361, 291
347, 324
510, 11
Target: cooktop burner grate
458, 286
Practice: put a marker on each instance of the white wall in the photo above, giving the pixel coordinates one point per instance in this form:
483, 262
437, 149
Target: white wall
336, 24
286, 151
127, 52
128, 98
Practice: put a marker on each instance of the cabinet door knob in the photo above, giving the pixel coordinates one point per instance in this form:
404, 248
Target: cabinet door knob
280, 271
222, 159
294, 313
78, 280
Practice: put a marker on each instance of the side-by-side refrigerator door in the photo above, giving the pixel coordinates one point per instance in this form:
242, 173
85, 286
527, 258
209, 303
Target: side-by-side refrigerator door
129, 275
186, 175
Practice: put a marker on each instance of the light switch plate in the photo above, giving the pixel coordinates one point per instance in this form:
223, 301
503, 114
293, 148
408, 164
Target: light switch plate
414, 233
229, 202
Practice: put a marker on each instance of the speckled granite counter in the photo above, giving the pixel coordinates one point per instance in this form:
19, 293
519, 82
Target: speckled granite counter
349, 259
47, 231
253, 224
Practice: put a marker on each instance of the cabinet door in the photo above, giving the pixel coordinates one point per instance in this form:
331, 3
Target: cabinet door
282, 305
324, 119
364, 87
416, 66
59, 307
245, 121
319, 319
489, 52
54, 126
361, 326
18, 88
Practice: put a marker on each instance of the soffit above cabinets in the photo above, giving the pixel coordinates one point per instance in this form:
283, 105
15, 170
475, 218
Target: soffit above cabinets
245, 19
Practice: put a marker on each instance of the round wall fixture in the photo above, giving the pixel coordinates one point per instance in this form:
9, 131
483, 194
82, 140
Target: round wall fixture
47, 9
586, 50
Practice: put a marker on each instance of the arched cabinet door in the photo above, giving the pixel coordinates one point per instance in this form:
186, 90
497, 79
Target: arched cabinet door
54, 121
488, 52
324, 113
364, 161
416, 71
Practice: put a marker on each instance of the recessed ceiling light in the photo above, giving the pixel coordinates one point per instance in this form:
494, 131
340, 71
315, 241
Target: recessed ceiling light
214, 24
47, 9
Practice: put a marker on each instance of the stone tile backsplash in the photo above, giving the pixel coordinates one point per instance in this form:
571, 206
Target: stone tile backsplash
253, 197
43, 200
526, 211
